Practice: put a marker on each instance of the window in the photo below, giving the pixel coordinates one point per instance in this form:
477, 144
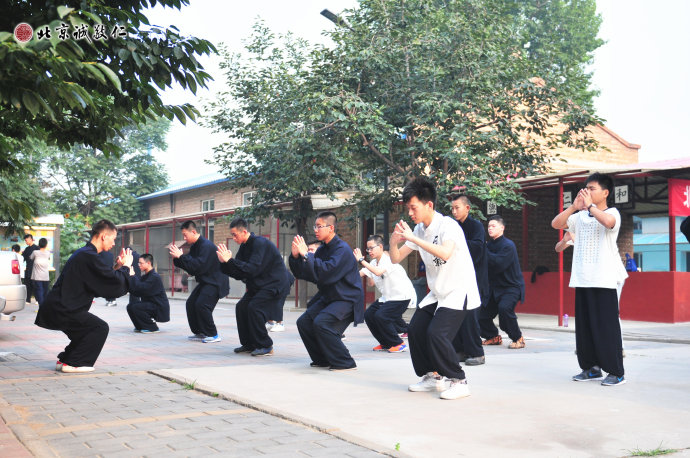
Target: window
247, 198
637, 256
208, 205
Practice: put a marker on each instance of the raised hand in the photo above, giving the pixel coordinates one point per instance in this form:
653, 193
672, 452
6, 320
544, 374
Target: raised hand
174, 250
224, 254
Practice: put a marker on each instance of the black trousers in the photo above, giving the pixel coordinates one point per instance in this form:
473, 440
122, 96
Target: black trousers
320, 328
598, 330
200, 305
382, 317
251, 313
87, 334
502, 305
469, 340
400, 325
431, 336
29, 286
143, 315
277, 313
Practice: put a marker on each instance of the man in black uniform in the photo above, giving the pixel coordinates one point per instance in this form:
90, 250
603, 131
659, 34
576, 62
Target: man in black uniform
66, 307
339, 301
150, 305
202, 263
507, 288
468, 341
26, 254
260, 266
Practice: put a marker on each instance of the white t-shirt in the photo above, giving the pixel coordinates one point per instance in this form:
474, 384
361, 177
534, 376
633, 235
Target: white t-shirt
596, 261
394, 284
451, 281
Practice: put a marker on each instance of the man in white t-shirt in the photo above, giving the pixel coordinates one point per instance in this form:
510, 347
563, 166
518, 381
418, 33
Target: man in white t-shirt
453, 290
595, 276
396, 294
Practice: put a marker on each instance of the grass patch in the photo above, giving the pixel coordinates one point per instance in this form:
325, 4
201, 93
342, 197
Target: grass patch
189, 386
653, 452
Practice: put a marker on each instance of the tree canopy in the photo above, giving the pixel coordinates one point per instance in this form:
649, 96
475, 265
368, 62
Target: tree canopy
470, 92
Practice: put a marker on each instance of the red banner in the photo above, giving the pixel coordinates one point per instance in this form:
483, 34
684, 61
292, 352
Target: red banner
678, 197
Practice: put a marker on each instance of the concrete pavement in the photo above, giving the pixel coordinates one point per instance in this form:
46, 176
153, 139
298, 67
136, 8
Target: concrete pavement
522, 400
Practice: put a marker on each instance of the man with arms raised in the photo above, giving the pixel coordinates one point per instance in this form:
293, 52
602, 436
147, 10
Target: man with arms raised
150, 304
453, 290
339, 301
260, 266
202, 263
66, 307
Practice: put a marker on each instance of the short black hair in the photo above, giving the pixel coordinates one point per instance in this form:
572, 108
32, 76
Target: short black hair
43, 242
16, 248
498, 219
314, 242
189, 225
329, 217
102, 226
464, 198
375, 238
421, 188
148, 257
605, 181
239, 222
26, 236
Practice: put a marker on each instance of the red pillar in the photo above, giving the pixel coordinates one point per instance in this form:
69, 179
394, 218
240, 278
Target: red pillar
146, 246
172, 265
560, 257
672, 243
525, 239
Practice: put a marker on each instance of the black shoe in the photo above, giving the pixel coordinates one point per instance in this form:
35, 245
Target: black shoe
590, 374
341, 369
313, 364
243, 349
263, 351
475, 361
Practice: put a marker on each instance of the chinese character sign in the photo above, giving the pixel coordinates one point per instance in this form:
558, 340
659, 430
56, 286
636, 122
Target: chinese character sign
491, 208
23, 32
678, 197
621, 194
567, 199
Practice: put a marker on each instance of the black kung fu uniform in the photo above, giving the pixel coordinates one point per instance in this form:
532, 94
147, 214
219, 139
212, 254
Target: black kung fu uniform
66, 307
339, 301
26, 254
507, 287
260, 265
468, 339
151, 305
202, 262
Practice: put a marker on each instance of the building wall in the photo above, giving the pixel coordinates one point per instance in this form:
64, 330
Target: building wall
187, 202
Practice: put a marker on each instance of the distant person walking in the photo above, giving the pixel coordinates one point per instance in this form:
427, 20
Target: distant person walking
40, 275
26, 254
594, 275
201, 262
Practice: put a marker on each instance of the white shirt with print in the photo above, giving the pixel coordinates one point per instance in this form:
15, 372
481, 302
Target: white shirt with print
596, 260
451, 281
394, 283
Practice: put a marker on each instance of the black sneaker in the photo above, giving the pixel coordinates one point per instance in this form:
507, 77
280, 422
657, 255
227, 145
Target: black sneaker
475, 360
613, 380
243, 349
590, 374
263, 351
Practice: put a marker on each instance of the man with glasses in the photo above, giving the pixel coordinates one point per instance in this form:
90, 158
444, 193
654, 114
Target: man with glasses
259, 264
339, 300
396, 293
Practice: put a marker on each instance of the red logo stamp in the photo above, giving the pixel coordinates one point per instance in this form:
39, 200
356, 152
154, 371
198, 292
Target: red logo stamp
23, 32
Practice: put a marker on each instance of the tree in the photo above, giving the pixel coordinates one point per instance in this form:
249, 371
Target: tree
86, 181
446, 89
81, 89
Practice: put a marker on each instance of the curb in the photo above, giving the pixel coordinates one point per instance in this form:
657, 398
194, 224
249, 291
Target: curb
626, 336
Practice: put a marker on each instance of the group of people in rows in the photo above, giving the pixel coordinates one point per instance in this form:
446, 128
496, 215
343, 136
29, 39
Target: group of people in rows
470, 282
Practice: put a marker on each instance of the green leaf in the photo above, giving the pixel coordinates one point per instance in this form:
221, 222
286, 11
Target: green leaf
64, 11
31, 103
114, 79
4, 36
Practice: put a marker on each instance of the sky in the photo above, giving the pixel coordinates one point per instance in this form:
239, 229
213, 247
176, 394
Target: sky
642, 72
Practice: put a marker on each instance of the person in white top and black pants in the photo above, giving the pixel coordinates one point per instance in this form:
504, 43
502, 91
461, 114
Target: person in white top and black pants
396, 294
595, 277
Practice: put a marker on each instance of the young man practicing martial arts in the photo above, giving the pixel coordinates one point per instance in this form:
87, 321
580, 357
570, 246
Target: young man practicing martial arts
339, 301
468, 341
594, 275
396, 293
453, 290
507, 288
260, 266
150, 304
212, 284
66, 307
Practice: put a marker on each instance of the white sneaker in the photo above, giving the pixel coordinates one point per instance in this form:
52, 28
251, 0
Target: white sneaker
72, 369
430, 382
278, 327
270, 325
458, 389
212, 339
